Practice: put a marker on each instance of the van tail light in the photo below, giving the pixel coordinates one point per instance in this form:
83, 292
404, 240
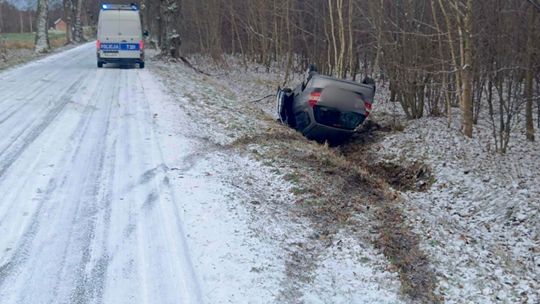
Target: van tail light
98, 44
314, 97
141, 45
367, 107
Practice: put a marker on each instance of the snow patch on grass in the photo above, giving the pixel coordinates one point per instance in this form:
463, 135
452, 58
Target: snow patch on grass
272, 250
480, 222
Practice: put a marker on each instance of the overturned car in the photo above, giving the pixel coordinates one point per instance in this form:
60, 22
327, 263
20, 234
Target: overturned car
325, 108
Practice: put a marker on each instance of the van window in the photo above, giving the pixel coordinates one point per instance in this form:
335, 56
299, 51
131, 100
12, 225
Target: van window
115, 24
109, 28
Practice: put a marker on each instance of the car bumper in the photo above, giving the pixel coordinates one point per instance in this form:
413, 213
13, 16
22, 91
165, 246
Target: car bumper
121, 60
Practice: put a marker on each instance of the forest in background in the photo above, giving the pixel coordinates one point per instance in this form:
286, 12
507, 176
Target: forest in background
436, 54
479, 56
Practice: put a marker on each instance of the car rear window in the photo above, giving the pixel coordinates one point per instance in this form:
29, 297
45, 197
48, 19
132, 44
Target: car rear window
337, 119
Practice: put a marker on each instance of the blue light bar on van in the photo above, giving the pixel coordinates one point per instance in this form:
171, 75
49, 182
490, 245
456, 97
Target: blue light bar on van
123, 7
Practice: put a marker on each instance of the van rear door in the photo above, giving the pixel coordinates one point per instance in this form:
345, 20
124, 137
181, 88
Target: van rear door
120, 34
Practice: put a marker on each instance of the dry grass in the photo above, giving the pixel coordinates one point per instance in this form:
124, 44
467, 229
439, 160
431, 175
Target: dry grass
332, 189
23, 44
26, 40
335, 189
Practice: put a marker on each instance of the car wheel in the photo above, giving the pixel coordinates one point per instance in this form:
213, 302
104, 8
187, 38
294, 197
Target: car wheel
281, 103
100, 64
141, 65
369, 81
279, 106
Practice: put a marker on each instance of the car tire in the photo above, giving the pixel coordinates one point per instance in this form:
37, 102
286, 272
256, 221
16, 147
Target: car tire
279, 106
282, 99
369, 80
141, 65
100, 64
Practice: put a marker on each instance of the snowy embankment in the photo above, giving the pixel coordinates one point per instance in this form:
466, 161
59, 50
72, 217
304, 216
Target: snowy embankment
114, 191
269, 250
15, 57
479, 223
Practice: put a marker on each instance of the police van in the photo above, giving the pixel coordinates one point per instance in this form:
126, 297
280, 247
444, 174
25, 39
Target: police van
119, 35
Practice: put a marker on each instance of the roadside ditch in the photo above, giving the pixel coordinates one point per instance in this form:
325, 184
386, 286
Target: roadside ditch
335, 188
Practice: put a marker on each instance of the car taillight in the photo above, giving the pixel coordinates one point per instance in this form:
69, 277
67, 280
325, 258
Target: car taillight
314, 97
367, 107
141, 45
98, 44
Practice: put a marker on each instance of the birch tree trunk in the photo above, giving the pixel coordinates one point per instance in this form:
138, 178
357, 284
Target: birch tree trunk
67, 18
144, 15
2, 50
77, 24
333, 32
30, 22
453, 51
529, 124
169, 38
351, 42
21, 22
1, 16
444, 87
342, 42
2, 46
466, 94
42, 35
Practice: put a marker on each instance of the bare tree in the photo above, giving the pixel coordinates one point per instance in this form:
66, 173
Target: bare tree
1, 16
78, 35
169, 37
529, 124
21, 22
68, 8
437, 54
466, 31
42, 36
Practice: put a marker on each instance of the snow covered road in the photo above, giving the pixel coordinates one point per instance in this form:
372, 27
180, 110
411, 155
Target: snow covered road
87, 210
110, 192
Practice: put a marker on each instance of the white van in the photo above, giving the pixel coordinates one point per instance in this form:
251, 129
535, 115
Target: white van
119, 35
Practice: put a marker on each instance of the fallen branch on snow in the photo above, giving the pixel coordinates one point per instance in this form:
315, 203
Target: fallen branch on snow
263, 98
186, 62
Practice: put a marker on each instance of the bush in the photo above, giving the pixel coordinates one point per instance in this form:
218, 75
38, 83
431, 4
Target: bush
2, 50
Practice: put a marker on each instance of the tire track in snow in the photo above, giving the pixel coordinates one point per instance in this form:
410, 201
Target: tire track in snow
103, 224
13, 151
21, 254
83, 283
177, 225
18, 93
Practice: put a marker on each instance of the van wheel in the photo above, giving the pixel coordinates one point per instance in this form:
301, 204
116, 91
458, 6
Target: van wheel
100, 64
141, 65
